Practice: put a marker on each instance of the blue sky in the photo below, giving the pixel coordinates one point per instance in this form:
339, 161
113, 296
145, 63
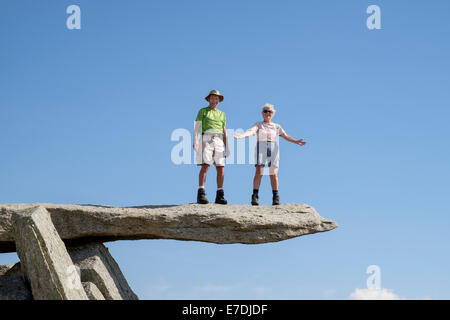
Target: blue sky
87, 117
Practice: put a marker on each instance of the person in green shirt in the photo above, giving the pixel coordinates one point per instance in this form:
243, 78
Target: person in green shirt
212, 146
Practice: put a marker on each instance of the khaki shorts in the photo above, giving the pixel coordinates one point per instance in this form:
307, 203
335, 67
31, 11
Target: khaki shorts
211, 148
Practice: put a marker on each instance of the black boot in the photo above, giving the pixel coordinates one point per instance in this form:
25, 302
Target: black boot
220, 197
201, 196
255, 200
276, 199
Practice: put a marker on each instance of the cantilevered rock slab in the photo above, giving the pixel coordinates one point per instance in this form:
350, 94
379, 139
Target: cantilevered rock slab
44, 257
214, 223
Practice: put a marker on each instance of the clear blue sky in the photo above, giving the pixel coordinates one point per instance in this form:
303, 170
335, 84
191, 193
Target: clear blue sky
87, 117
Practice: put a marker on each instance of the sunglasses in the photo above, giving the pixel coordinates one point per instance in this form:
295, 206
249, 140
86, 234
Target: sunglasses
268, 111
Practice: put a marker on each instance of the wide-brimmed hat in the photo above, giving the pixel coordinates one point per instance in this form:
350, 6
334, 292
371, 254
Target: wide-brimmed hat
216, 93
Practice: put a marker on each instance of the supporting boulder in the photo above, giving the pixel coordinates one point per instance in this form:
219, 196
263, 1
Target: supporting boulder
44, 257
92, 291
99, 267
15, 269
12, 287
4, 268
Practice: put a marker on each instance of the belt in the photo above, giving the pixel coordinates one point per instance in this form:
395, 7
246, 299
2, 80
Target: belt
213, 134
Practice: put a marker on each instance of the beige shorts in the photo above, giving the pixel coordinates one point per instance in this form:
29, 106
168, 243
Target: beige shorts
211, 148
267, 152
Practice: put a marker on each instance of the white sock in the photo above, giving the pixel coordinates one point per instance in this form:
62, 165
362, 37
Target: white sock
219, 189
201, 187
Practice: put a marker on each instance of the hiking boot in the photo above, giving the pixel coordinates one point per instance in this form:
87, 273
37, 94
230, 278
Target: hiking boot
201, 196
275, 200
255, 200
220, 197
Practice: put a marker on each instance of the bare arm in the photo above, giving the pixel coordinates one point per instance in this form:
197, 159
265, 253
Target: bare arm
250, 132
300, 142
225, 141
197, 130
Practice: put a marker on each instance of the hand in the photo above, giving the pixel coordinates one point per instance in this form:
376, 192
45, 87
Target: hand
300, 142
195, 146
227, 152
238, 136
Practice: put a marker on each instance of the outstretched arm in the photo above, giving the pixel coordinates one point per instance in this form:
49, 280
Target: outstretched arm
300, 142
248, 133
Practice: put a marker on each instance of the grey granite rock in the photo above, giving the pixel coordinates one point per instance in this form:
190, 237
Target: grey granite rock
210, 223
12, 287
44, 258
4, 268
14, 269
92, 291
98, 267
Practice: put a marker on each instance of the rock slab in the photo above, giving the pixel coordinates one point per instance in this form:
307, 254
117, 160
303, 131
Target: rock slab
92, 291
222, 224
12, 287
5, 268
98, 267
44, 258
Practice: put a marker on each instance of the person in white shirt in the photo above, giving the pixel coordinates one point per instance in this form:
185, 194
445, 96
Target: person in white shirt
267, 150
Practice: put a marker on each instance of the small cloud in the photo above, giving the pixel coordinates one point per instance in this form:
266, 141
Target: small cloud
374, 294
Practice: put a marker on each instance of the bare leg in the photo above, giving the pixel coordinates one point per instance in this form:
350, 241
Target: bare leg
274, 178
257, 178
220, 176
202, 174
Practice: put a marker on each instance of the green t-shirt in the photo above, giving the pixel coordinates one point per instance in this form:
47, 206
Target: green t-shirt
212, 120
